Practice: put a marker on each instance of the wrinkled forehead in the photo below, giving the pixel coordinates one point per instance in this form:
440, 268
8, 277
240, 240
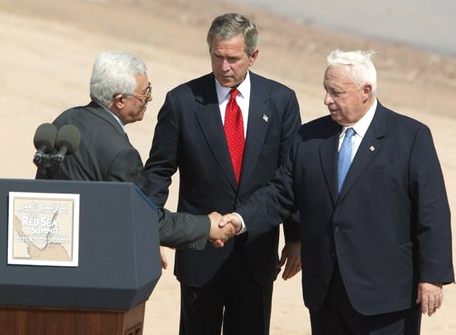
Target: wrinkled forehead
340, 74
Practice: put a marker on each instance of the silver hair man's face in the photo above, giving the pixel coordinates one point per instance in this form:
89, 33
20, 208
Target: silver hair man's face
346, 100
131, 107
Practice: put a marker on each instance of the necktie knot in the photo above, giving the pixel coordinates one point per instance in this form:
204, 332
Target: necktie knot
349, 132
234, 93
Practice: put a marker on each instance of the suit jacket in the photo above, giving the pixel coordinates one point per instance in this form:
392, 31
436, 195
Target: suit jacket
389, 228
190, 136
105, 154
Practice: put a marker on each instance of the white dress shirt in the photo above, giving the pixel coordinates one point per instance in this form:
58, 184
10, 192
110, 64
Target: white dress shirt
360, 129
243, 99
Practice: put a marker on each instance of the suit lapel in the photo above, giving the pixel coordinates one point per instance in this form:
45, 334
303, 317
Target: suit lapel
257, 126
208, 116
328, 155
369, 147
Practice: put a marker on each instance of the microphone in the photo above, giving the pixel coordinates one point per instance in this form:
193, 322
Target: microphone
52, 147
44, 141
67, 142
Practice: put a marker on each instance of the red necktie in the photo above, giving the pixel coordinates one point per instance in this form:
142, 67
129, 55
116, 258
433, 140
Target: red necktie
234, 133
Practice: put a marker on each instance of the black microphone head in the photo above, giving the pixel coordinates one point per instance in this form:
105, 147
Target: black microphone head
44, 139
68, 138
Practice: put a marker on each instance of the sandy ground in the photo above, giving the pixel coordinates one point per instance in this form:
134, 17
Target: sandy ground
48, 47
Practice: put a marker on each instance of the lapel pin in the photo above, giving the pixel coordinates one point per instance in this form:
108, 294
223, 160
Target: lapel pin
265, 118
371, 148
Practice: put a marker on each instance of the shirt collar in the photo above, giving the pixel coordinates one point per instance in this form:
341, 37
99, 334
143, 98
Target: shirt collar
223, 93
110, 113
363, 124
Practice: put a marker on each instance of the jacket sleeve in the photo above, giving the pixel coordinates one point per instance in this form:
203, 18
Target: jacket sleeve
272, 204
183, 231
431, 213
290, 127
163, 157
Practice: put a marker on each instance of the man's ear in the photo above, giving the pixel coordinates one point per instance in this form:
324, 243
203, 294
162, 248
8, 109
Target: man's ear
367, 92
253, 57
118, 101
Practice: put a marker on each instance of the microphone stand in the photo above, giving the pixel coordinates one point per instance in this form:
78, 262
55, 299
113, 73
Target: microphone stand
47, 164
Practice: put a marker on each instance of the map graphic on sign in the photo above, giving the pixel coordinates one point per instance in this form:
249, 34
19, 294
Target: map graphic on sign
43, 229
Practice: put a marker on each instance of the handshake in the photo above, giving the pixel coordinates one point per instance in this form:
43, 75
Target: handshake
223, 228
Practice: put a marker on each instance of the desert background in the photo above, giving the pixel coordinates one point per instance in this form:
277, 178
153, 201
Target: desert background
48, 48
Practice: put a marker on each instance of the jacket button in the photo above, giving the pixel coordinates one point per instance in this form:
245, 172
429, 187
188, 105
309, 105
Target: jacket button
336, 229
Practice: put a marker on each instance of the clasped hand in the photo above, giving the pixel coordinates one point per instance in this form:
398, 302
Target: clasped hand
223, 228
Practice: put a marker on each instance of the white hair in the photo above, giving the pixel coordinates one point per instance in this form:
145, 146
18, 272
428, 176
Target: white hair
360, 66
114, 72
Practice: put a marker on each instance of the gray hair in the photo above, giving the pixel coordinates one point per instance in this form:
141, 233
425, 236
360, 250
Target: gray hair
114, 72
227, 26
360, 66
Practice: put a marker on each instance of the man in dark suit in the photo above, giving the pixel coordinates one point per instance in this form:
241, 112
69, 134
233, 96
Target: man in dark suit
120, 91
226, 132
376, 240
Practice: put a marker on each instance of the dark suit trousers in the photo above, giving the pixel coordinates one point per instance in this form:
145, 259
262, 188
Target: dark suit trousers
337, 316
232, 296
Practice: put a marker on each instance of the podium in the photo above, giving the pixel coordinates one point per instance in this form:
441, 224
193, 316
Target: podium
118, 265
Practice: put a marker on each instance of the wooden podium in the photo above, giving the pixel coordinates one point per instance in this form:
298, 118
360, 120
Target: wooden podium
118, 267
39, 321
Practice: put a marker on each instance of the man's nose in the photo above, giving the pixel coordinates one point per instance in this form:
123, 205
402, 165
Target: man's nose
328, 99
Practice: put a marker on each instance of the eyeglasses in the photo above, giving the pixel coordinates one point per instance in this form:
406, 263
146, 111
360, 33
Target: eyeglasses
148, 93
145, 97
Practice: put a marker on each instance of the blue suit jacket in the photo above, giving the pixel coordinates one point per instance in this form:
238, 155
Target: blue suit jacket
190, 136
387, 230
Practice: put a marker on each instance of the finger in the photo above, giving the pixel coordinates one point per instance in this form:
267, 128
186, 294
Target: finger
431, 304
437, 303
235, 227
291, 268
231, 230
224, 221
286, 272
297, 269
424, 303
440, 300
290, 271
218, 243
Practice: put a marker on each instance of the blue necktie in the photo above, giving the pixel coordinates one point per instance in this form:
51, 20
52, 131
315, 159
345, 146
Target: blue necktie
345, 158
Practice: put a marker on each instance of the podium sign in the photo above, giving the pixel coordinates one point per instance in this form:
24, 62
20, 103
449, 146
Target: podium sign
43, 229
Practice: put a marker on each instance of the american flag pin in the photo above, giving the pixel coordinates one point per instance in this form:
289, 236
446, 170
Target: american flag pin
265, 118
371, 148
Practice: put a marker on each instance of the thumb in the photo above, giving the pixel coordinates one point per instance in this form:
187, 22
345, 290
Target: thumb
224, 221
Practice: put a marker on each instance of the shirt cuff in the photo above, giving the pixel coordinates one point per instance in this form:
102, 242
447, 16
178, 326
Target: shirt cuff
243, 227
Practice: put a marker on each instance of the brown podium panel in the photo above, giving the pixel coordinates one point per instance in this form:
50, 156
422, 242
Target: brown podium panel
39, 321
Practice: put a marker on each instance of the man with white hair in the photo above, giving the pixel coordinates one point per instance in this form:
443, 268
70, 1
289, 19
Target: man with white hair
120, 91
375, 219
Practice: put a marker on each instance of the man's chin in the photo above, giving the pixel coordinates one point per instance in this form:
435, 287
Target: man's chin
226, 82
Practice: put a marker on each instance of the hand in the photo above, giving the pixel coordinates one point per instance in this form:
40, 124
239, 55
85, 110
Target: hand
218, 235
430, 296
163, 259
232, 219
291, 254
